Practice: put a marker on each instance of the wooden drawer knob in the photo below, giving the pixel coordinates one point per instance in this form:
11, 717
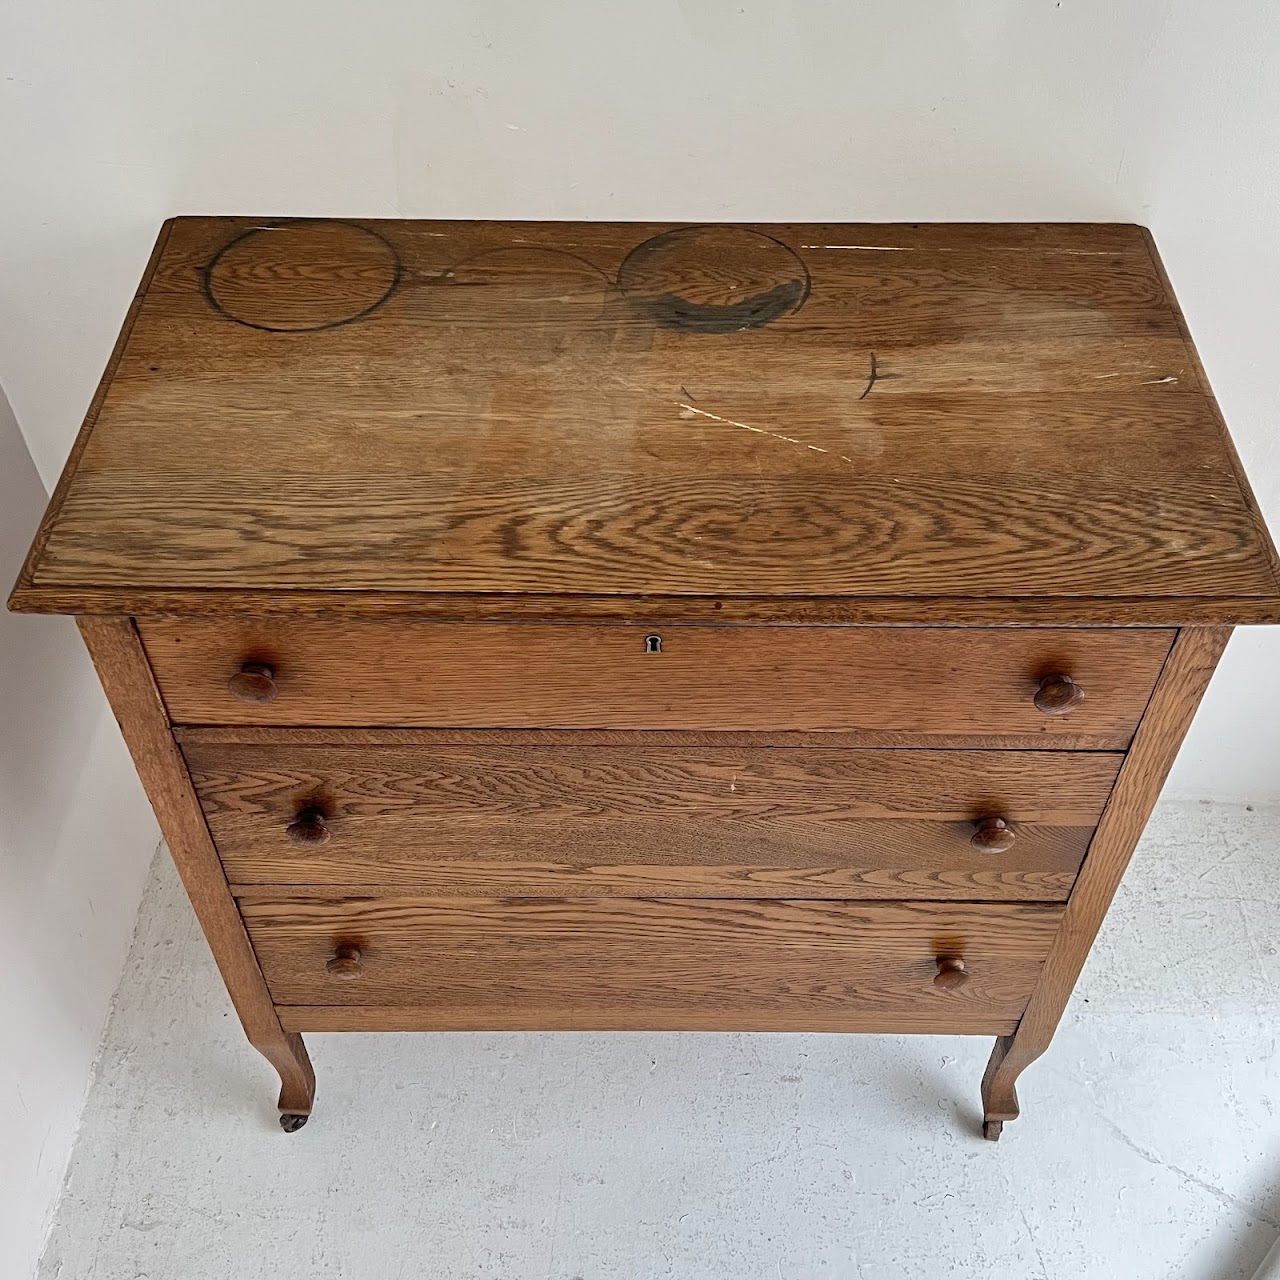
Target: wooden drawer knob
1057, 695
254, 682
347, 962
993, 835
951, 973
308, 828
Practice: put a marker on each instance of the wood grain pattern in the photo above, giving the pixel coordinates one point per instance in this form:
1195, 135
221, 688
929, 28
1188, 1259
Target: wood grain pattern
117, 654
391, 417
1182, 684
632, 534
925, 682
505, 821
647, 963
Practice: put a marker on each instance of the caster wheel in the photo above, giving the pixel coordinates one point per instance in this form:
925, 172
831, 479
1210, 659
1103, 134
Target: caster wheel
991, 1130
292, 1121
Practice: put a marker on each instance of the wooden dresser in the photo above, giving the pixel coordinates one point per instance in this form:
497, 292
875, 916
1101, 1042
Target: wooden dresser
620, 626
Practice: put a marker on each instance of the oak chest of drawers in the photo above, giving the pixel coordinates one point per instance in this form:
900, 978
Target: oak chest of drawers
617, 626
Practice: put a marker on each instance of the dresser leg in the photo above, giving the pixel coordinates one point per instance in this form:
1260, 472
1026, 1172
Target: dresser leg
286, 1052
999, 1096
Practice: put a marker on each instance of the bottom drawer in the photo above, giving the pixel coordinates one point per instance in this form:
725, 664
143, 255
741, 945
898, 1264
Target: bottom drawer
409, 963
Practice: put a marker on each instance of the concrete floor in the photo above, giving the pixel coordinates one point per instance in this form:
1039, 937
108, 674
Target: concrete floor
1148, 1145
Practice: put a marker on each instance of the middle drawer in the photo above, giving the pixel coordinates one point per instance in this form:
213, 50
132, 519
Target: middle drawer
521, 819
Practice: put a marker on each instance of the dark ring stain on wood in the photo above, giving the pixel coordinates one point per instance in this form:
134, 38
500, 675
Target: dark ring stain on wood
673, 312
392, 268
715, 264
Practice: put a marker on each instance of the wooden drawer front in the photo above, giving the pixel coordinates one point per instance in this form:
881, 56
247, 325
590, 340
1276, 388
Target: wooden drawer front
650, 963
693, 821
934, 682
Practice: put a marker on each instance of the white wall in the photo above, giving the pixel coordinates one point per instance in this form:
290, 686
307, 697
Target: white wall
115, 116
76, 839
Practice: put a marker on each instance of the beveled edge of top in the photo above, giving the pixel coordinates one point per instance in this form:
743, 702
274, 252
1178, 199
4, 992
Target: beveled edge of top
896, 611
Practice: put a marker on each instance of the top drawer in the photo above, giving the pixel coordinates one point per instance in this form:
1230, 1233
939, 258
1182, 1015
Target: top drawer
934, 683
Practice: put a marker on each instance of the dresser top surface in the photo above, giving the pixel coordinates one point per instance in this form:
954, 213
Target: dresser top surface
982, 424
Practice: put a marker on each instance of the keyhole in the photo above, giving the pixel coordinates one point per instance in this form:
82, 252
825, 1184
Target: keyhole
653, 644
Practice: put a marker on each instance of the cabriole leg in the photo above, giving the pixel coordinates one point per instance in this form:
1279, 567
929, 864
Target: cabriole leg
286, 1052
999, 1096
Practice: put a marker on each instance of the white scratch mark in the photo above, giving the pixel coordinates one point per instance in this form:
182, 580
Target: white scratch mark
519, 128
1106, 375
937, 248
870, 248
1155, 382
688, 409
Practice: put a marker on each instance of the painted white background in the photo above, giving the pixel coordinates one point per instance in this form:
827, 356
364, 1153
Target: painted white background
113, 117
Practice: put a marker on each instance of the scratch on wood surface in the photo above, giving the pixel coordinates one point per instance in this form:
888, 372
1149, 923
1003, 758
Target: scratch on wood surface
937, 248
1155, 382
869, 248
688, 409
